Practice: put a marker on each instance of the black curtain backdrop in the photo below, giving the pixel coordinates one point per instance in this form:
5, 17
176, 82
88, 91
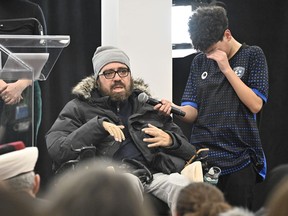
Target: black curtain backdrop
81, 19
255, 22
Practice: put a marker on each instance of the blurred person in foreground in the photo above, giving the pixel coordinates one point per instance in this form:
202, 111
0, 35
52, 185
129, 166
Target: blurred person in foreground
12, 205
93, 189
277, 202
201, 199
17, 174
204, 199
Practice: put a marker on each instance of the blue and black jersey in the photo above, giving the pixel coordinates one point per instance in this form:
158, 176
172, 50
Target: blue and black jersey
224, 124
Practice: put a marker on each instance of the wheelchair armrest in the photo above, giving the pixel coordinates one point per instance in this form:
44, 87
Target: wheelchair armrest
200, 155
83, 153
86, 152
66, 166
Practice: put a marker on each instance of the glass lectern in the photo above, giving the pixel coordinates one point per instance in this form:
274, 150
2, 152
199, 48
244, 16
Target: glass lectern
29, 57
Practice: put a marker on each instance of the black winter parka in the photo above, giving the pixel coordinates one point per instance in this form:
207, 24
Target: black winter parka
80, 122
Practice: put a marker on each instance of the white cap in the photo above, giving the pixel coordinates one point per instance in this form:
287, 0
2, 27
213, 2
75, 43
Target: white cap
18, 162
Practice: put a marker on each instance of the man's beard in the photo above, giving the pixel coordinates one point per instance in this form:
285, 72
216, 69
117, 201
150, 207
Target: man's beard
117, 96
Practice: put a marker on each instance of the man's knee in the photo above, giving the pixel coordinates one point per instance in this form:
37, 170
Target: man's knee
177, 179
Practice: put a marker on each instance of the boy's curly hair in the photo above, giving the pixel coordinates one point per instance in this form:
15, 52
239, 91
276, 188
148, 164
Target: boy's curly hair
207, 26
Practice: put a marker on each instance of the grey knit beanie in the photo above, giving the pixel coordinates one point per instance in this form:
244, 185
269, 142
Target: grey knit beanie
107, 54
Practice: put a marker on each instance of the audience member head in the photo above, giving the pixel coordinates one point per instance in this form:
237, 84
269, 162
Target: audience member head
201, 199
207, 26
93, 189
277, 203
112, 72
11, 204
274, 177
17, 165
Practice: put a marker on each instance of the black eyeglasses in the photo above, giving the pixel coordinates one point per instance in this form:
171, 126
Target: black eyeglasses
110, 74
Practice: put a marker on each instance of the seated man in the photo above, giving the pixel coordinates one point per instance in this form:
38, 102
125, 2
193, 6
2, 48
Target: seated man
106, 113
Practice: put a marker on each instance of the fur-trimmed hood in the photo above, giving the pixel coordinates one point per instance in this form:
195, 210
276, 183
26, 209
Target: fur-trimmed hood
85, 87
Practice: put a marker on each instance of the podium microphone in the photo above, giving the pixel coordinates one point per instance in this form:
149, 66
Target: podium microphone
144, 98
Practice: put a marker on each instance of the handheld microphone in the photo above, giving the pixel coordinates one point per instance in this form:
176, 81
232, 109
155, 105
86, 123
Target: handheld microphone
144, 98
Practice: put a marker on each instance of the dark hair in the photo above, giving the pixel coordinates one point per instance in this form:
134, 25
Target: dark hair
218, 3
201, 198
207, 26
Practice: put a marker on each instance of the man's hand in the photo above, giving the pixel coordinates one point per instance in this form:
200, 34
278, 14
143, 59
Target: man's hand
159, 138
114, 130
